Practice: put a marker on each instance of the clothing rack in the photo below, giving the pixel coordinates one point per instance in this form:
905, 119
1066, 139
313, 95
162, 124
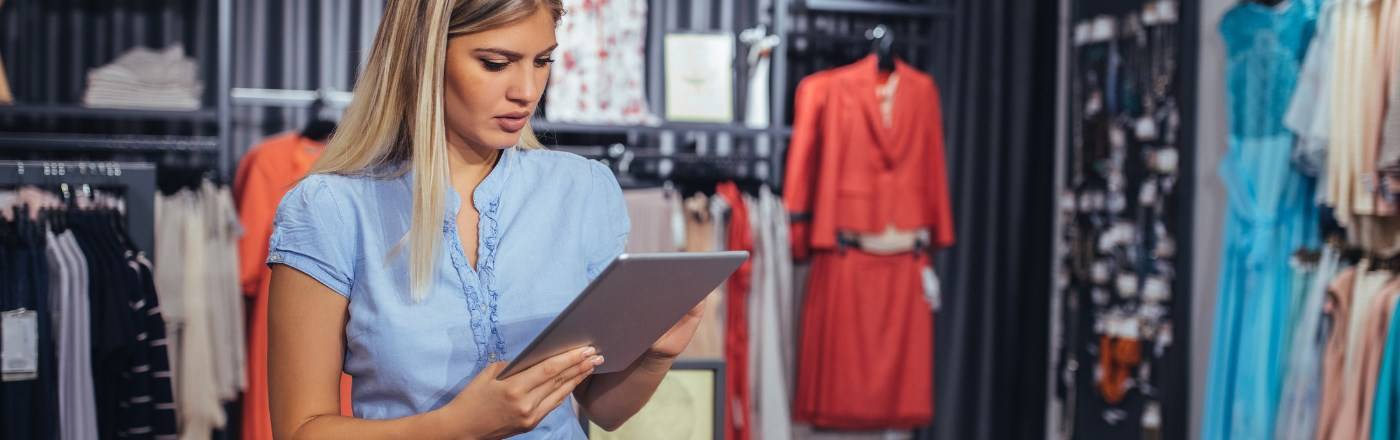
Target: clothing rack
621, 158
136, 181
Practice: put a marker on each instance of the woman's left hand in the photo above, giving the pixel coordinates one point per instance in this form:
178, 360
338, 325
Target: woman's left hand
678, 337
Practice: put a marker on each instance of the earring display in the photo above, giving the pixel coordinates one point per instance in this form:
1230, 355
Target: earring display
1122, 166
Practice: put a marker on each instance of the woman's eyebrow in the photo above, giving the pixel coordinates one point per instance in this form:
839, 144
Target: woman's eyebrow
513, 55
509, 54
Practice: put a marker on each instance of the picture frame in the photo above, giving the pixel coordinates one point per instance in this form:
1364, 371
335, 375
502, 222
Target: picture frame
699, 77
688, 405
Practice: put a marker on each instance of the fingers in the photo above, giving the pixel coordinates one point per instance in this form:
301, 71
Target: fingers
546, 371
558, 395
492, 370
583, 369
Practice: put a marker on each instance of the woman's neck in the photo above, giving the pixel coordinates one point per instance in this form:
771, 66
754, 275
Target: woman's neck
468, 165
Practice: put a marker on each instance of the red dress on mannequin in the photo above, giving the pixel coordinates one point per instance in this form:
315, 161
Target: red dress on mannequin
866, 348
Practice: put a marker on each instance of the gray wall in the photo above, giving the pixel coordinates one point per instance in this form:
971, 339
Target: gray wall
1212, 140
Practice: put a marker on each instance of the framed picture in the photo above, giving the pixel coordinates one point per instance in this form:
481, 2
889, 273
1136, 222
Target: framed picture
699, 77
688, 405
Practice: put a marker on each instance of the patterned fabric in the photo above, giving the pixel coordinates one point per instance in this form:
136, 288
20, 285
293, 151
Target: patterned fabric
1270, 214
599, 75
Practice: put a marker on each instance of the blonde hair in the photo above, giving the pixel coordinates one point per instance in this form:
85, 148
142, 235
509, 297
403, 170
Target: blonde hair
396, 116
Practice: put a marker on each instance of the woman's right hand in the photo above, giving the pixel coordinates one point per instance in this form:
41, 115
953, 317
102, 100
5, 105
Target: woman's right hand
489, 408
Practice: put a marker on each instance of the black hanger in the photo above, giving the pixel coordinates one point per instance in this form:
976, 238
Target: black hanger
319, 129
882, 45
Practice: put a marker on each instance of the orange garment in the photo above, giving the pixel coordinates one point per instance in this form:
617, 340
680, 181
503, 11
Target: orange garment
264, 175
1117, 358
736, 318
849, 171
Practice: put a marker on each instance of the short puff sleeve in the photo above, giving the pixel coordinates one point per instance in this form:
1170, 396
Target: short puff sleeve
606, 223
312, 233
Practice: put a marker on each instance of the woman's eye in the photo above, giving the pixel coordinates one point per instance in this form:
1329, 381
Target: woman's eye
541, 62
494, 66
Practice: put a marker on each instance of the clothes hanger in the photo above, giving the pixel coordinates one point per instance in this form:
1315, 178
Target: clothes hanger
882, 44
320, 128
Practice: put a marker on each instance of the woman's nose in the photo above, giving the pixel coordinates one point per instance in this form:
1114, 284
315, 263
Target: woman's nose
524, 88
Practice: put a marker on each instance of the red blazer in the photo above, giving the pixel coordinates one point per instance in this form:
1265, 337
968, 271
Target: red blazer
848, 171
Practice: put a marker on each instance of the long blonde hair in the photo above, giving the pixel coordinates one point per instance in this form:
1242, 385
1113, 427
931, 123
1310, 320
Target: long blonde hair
396, 116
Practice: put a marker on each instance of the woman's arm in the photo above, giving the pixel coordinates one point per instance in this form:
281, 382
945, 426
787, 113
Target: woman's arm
306, 345
611, 399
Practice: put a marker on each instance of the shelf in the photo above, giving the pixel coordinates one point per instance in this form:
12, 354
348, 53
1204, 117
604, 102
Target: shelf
734, 129
78, 111
114, 143
874, 7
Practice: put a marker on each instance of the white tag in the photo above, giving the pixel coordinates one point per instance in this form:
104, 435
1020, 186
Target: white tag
19, 350
931, 289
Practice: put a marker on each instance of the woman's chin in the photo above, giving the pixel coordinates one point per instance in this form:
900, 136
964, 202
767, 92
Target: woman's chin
501, 140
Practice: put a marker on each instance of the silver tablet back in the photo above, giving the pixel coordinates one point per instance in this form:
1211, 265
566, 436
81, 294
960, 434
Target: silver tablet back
634, 301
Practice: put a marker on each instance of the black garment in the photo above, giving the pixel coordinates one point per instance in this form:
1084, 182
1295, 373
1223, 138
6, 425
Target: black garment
16, 398
30, 407
111, 323
46, 396
131, 364
151, 372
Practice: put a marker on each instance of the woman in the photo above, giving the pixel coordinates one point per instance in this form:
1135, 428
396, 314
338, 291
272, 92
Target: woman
434, 239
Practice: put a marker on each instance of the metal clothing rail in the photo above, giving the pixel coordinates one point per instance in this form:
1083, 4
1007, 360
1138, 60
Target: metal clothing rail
135, 180
289, 97
875, 7
120, 143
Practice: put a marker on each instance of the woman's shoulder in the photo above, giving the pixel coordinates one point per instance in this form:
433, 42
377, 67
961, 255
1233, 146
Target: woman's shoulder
334, 194
563, 166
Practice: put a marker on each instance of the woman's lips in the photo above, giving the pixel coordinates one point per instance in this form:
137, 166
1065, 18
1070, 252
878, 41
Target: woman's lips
512, 123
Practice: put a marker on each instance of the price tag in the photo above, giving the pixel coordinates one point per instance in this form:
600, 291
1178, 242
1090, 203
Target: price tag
19, 349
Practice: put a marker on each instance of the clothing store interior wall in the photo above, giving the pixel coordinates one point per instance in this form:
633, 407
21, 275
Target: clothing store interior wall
965, 219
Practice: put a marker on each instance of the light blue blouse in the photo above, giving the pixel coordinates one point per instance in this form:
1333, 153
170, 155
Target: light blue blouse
550, 222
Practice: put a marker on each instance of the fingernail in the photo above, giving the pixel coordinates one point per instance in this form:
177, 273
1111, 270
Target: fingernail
589, 351
597, 360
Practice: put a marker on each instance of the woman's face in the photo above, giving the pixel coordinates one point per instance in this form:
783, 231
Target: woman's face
494, 79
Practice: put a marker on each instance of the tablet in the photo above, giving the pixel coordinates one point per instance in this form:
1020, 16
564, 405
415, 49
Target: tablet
634, 301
